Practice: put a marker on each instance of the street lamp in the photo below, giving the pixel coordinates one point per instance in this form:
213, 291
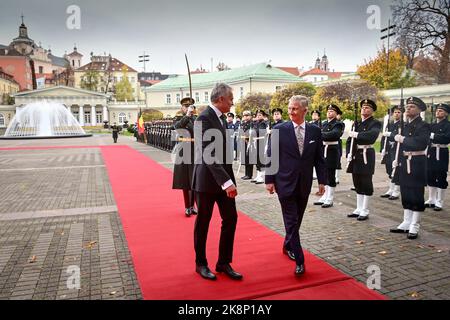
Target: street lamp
388, 35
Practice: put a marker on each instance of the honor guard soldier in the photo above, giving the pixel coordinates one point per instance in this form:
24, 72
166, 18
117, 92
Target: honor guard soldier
232, 126
244, 145
332, 130
409, 166
438, 154
259, 143
277, 115
115, 132
184, 166
361, 158
315, 115
388, 151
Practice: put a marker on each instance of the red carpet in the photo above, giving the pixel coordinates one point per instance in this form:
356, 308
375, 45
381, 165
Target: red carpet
160, 239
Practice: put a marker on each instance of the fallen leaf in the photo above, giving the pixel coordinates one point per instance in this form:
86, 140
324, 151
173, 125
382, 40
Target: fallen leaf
382, 252
62, 233
32, 259
360, 242
414, 294
420, 246
439, 251
380, 239
90, 244
339, 238
113, 293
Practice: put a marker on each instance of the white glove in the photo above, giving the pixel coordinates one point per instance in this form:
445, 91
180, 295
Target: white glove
353, 134
394, 164
383, 153
349, 158
399, 138
386, 134
432, 135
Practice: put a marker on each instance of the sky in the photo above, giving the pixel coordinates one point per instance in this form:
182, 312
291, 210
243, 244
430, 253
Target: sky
288, 33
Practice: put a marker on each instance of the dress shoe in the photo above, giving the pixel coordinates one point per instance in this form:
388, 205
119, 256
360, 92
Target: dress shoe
205, 272
194, 211
428, 205
299, 270
259, 182
436, 208
385, 195
228, 270
412, 235
188, 212
318, 203
289, 253
246, 178
353, 215
395, 230
327, 205
362, 218
353, 189
393, 198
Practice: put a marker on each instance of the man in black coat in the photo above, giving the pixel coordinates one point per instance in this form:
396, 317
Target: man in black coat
244, 144
277, 115
438, 155
332, 130
300, 149
214, 182
361, 160
388, 151
410, 166
115, 131
260, 127
183, 125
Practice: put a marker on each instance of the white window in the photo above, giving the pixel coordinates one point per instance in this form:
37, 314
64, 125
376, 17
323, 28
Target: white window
242, 92
76, 115
87, 117
122, 117
168, 99
188, 94
206, 96
197, 97
178, 98
99, 116
2, 120
315, 79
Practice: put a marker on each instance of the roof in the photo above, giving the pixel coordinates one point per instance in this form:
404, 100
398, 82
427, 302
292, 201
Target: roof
420, 92
2, 46
58, 61
10, 52
314, 71
291, 70
115, 65
150, 82
261, 71
93, 93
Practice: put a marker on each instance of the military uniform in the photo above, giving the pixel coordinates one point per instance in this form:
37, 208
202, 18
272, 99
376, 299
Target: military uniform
316, 122
258, 146
244, 135
388, 153
361, 164
332, 131
184, 164
437, 163
115, 132
410, 169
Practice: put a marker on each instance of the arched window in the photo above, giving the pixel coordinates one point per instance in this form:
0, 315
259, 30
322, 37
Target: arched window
122, 117
2, 120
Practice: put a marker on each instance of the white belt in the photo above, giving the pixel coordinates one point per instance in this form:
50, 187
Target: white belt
438, 147
409, 155
365, 147
326, 144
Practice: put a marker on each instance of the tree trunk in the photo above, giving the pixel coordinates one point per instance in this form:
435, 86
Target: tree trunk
444, 64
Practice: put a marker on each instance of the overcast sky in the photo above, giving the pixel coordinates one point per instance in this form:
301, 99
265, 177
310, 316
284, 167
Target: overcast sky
237, 32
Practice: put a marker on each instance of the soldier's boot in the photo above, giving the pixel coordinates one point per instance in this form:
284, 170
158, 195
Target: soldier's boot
314, 174
439, 204
388, 193
359, 206
322, 199
415, 225
260, 178
187, 203
258, 174
404, 226
432, 191
330, 196
395, 192
364, 215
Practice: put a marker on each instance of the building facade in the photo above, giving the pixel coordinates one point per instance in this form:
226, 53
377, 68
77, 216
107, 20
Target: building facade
166, 95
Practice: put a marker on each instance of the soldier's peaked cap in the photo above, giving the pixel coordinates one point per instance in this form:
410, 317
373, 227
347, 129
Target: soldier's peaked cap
418, 102
335, 108
370, 103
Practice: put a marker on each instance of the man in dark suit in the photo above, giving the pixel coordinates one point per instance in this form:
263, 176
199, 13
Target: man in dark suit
214, 182
300, 149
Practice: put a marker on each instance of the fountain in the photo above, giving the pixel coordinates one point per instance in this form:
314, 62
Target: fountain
41, 120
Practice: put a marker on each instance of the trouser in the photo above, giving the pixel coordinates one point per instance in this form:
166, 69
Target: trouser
437, 179
293, 208
228, 213
363, 183
331, 177
413, 198
249, 170
188, 196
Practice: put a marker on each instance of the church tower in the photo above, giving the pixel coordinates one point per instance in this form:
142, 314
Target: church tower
23, 44
317, 65
324, 65
74, 58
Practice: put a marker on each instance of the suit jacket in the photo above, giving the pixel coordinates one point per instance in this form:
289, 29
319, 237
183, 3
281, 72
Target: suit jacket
293, 168
210, 177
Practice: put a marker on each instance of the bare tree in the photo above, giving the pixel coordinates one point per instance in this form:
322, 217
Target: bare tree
426, 23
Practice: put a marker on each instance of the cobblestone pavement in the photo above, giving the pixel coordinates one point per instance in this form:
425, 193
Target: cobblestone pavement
58, 213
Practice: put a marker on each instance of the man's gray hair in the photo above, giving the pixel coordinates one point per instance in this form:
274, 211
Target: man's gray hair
220, 90
301, 100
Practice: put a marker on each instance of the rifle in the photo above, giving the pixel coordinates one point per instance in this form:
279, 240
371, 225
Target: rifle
386, 126
355, 127
400, 130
